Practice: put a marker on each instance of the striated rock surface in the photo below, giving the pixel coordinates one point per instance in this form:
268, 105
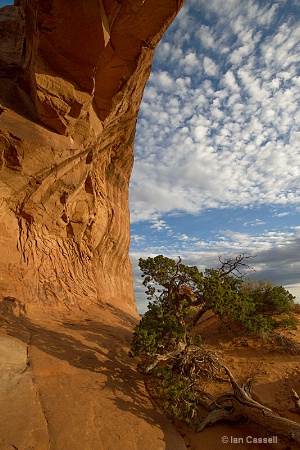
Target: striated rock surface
72, 74
72, 77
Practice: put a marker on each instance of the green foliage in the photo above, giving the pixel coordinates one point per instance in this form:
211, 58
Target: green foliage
157, 330
175, 391
289, 322
267, 298
295, 307
144, 341
224, 297
258, 324
158, 271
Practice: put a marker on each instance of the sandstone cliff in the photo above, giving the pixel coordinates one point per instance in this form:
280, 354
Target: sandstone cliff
72, 74
72, 78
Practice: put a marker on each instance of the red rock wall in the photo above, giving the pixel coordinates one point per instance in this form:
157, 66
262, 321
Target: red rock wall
69, 99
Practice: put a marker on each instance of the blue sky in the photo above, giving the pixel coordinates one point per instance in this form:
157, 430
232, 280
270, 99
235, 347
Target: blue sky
217, 150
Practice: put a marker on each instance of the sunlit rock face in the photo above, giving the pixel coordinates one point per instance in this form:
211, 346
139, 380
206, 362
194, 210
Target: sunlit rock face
72, 77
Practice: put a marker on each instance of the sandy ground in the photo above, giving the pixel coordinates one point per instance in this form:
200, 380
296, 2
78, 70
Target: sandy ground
273, 371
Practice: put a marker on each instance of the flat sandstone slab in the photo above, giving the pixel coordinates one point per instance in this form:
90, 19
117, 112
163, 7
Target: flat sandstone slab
69, 383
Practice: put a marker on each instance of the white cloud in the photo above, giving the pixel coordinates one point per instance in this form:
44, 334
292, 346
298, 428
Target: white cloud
229, 81
163, 80
205, 36
210, 67
200, 132
254, 223
284, 214
137, 239
159, 225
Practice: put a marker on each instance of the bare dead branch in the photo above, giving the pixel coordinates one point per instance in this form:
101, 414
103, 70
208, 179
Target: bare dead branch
217, 415
232, 266
180, 348
242, 405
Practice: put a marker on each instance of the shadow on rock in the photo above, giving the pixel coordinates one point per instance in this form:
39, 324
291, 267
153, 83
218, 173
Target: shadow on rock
98, 350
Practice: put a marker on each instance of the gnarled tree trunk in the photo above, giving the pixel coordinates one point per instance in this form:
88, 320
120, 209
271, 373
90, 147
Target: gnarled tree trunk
240, 404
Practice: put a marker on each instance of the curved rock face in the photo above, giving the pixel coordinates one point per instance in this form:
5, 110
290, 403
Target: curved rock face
72, 77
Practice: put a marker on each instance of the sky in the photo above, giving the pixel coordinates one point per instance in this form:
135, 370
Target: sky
217, 149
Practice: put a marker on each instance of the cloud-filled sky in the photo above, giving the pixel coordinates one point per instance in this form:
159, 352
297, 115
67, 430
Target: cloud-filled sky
217, 150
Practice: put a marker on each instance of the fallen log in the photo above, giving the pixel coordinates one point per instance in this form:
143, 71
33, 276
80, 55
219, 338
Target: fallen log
296, 400
240, 404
